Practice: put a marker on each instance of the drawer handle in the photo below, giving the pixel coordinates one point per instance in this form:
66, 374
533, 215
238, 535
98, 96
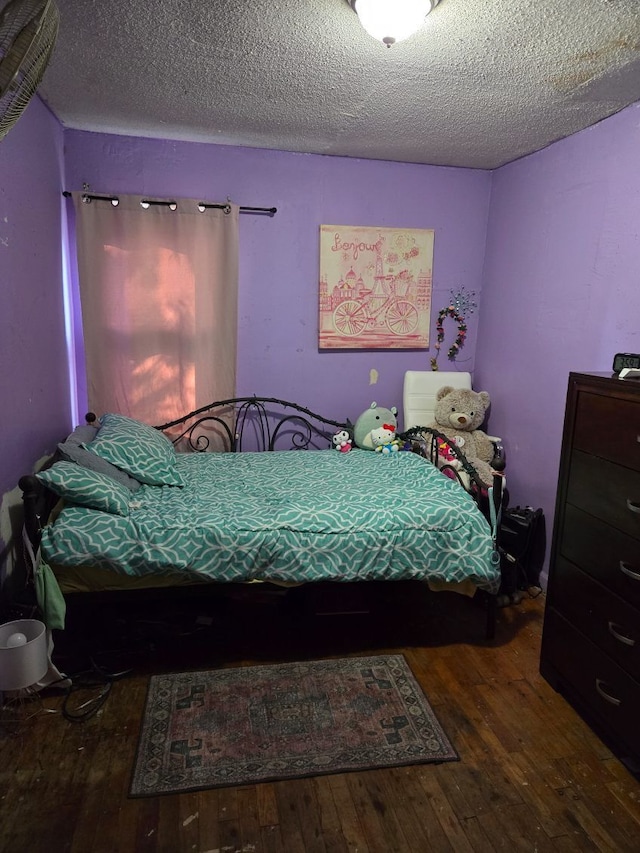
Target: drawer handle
605, 695
626, 569
634, 506
628, 641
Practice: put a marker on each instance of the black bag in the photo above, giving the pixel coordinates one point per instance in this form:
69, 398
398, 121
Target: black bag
522, 544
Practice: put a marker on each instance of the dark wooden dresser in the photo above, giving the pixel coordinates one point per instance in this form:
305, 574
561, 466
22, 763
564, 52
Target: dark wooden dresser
591, 636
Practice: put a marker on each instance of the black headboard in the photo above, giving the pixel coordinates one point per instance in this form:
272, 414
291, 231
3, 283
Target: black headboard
253, 423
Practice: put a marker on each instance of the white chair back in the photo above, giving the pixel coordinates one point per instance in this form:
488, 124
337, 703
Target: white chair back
419, 393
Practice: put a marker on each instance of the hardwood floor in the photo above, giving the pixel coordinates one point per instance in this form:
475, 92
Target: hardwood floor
532, 776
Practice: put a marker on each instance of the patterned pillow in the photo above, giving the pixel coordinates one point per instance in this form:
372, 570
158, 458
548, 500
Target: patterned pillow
138, 449
72, 450
87, 488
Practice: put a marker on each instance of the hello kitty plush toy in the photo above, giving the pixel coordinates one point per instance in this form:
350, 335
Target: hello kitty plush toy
376, 428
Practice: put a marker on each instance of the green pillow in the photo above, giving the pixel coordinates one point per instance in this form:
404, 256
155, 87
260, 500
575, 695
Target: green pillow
88, 488
140, 450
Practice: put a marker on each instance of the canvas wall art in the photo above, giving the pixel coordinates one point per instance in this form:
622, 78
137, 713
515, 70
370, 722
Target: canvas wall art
375, 287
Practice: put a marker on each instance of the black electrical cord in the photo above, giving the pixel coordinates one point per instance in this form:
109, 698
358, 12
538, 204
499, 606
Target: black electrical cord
532, 590
91, 679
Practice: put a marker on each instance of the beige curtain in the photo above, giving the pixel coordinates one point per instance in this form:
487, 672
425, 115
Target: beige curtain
158, 289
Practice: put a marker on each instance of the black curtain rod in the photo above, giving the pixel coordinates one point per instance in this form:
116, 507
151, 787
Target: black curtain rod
270, 211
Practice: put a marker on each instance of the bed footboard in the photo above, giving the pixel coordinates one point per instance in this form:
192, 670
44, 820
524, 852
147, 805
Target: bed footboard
37, 502
427, 440
490, 501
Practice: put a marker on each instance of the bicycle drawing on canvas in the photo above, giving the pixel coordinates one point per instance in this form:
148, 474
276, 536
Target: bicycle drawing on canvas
353, 317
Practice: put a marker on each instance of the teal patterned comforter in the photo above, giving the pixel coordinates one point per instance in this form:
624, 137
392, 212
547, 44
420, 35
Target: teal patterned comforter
288, 516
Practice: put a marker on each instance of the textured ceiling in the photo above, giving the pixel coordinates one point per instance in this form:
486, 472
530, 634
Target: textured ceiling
483, 83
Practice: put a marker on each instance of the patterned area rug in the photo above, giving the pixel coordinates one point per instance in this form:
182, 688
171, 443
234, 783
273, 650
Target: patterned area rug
262, 723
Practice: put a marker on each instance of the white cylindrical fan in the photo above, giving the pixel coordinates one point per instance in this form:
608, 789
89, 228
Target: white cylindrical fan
24, 661
28, 32
23, 654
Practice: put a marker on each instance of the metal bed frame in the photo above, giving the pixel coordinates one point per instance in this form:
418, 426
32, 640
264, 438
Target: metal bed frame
270, 424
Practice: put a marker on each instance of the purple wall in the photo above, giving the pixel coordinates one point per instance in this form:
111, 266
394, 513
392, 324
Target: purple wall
279, 257
561, 289
34, 385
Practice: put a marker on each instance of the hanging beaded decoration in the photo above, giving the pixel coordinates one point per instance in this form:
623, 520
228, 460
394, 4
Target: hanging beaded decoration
463, 301
457, 345
460, 302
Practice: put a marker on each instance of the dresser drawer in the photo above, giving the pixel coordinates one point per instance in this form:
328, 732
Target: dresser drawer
612, 696
607, 554
608, 621
608, 427
607, 491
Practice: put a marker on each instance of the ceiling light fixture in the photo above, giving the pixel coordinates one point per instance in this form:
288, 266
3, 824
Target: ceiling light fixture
390, 21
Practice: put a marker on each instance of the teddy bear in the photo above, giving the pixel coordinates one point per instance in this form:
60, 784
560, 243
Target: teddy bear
376, 428
458, 413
